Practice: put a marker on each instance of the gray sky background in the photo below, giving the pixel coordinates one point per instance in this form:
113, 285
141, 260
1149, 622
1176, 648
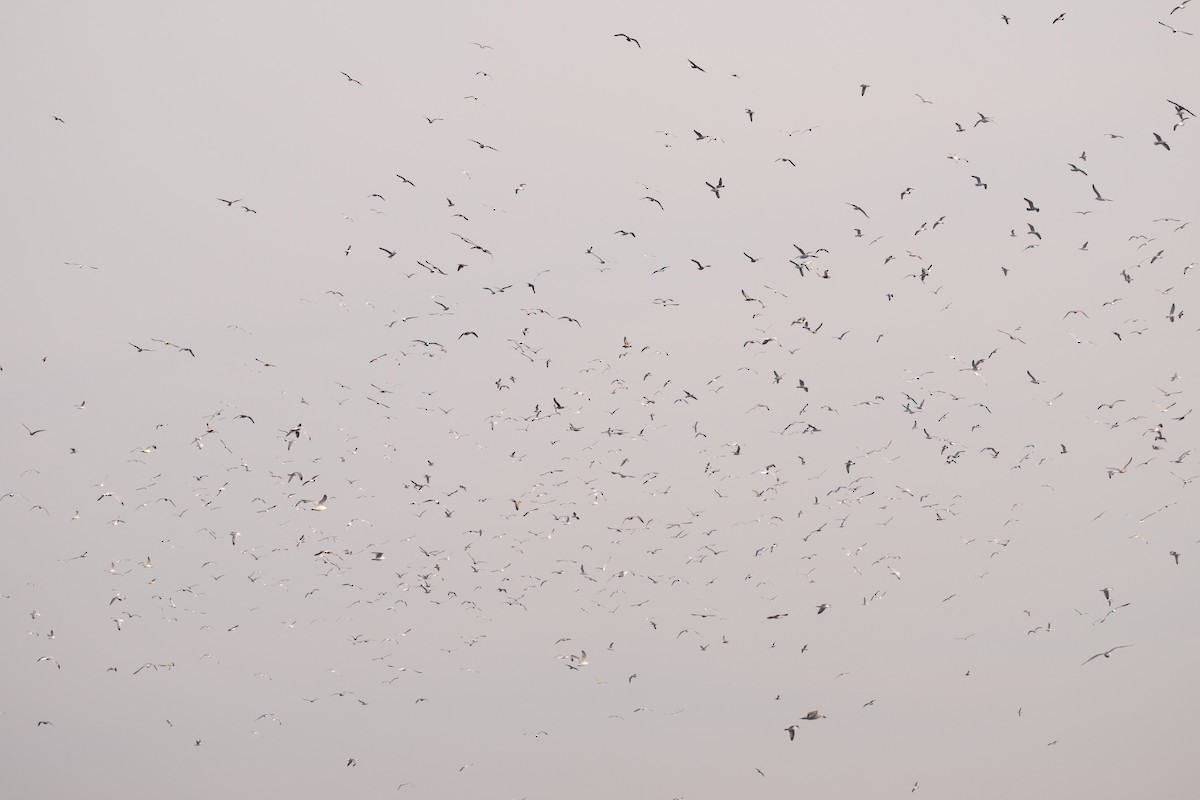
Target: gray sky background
673, 494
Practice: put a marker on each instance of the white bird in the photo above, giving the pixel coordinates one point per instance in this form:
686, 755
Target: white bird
1108, 653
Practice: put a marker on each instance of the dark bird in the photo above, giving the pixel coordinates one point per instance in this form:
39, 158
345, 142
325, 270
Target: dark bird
695, 65
229, 202
390, 253
1030, 205
1158, 140
353, 80
628, 38
716, 189
482, 146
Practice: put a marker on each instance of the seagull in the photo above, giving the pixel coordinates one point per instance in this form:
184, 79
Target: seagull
716, 189
821, 610
864, 88
482, 146
791, 732
1168, 27
229, 202
1108, 653
814, 715
859, 210
695, 65
979, 182
1031, 206
1158, 140
628, 38
1174, 555
1099, 197
353, 80
1059, 18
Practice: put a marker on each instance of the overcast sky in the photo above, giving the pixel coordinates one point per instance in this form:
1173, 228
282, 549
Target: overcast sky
465, 400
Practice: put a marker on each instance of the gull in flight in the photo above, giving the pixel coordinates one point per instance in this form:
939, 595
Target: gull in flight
1108, 653
353, 80
716, 189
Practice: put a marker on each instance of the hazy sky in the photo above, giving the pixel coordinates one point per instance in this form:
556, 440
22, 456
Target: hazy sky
936, 370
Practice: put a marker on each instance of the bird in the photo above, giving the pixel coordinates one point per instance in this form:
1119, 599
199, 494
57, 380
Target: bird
229, 202
859, 209
1108, 653
32, 432
1174, 555
390, 253
695, 65
717, 188
628, 38
814, 715
482, 146
822, 608
1059, 18
1099, 197
1030, 205
1160, 22
863, 88
791, 732
1158, 140
352, 80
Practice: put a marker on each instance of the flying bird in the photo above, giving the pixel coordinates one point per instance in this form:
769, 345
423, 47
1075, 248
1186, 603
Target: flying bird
1107, 653
628, 38
353, 80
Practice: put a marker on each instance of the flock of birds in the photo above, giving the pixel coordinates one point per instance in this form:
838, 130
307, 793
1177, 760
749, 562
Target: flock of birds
421, 489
